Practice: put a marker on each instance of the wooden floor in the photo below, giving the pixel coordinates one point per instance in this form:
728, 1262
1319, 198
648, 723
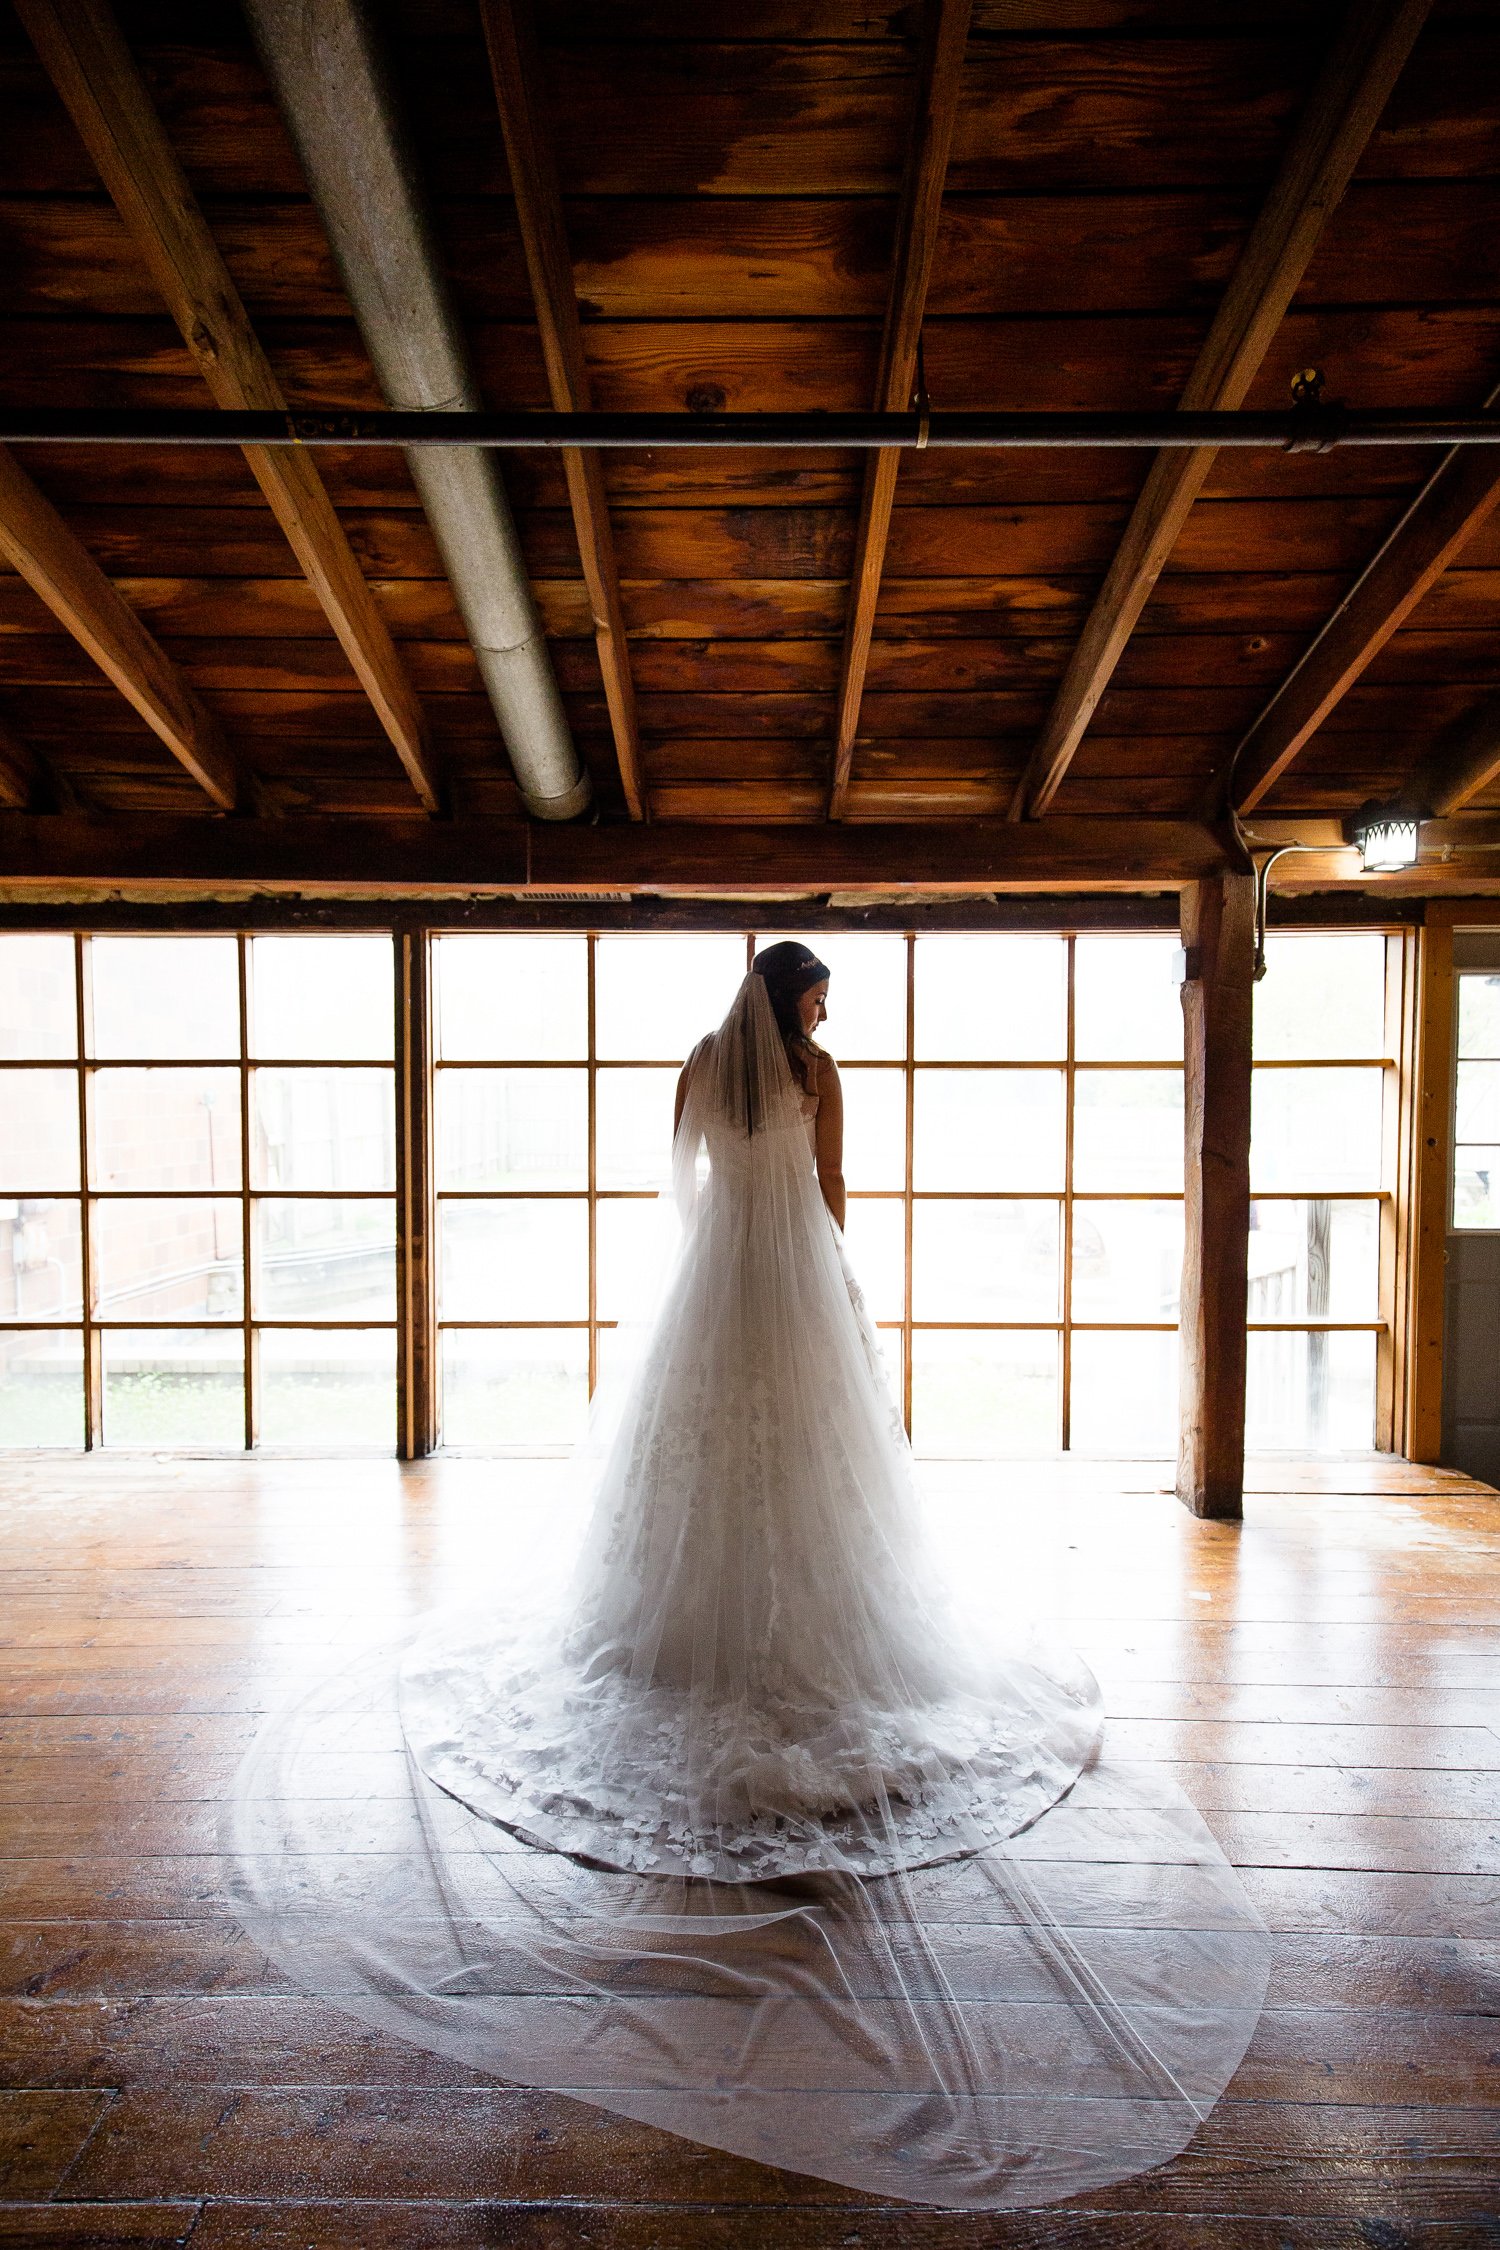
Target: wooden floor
1324, 1681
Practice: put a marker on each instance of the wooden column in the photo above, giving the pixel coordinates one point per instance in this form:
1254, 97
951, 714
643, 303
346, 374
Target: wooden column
1218, 930
1433, 1075
416, 1333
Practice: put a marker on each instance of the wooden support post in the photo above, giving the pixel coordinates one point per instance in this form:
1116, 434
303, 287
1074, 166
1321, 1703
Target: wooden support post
1218, 930
1433, 1073
416, 1341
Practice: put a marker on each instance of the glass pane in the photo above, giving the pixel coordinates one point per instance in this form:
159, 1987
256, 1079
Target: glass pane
1124, 1393
323, 997
1316, 1260
164, 996
323, 1259
514, 1261
160, 1259
985, 1261
1127, 1001
41, 1387
38, 1002
325, 1388
512, 1128
1323, 994
515, 1386
633, 1127
979, 1396
1315, 1128
503, 997
875, 1238
38, 1129
1127, 1129
636, 1236
166, 1387
655, 997
41, 1258
874, 1128
1310, 1393
978, 997
1127, 1260
164, 1128
1477, 1114
988, 1129
1476, 1187
322, 1129
1478, 1014
866, 994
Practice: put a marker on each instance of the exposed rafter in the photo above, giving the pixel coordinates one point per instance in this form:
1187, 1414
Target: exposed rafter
945, 31
538, 196
1446, 513
1331, 134
35, 541
1464, 762
86, 58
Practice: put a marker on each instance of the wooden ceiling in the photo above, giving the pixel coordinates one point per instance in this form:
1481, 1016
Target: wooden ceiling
732, 200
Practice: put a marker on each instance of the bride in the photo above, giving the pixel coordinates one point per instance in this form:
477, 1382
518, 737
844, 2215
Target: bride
754, 1832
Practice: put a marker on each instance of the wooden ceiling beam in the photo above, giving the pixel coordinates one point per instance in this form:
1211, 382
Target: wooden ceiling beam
1331, 134
1446, 513
88, 62
940, 74
539, 212
1461, 765
36, 542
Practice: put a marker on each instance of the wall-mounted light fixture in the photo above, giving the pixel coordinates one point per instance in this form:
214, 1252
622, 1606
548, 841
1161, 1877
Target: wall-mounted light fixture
1387, 839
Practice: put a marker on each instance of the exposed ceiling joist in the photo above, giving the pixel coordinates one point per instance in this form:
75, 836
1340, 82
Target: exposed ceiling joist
20, 771
1460, 766
1446, 513
1331, 134
87, 59
36, 542
945, 32
538, 197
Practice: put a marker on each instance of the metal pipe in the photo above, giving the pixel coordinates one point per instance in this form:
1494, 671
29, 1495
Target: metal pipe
324, 61
457, 433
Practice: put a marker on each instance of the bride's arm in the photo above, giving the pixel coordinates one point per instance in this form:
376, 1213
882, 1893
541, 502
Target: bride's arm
830, 1138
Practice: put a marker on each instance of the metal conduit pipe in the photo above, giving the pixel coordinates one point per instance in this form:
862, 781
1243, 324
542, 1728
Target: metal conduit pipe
324, 60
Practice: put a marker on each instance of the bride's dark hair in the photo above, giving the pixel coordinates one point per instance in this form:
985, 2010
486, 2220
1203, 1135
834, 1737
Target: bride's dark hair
787, 970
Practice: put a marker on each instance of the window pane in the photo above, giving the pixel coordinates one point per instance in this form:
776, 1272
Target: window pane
983, 997
1477, 1115
38, 1003
1317, 1260
1127, 1260
515, 1386
636, 1236
323, 1129
1476, 1187
41, 1387
323, 997
1310, 1392
324, 1260
328, 1387
875, 1238
1322, 994
514, 1261
1127, 1002
633, 1127
41, 1258
866, 994
512, 1128
160, 1259
977, 1396
165, 996
503, 997
985, 1261
1127, 1129
874, 1128
164, 1128
166, 1387
38, 1129
657, 996
988, 1129
1478, 1014
1124, 1393
1315, 1128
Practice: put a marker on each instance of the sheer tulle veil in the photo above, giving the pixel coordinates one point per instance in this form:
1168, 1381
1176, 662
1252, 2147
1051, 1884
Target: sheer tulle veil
751, 1831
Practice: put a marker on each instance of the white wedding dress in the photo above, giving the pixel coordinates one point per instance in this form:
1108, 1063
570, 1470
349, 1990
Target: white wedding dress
752, 1834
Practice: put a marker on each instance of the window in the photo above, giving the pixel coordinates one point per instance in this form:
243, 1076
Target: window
1476, 1109
197, 1175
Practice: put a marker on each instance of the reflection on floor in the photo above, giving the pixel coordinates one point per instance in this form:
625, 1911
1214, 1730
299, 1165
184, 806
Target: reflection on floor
1324, 1681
